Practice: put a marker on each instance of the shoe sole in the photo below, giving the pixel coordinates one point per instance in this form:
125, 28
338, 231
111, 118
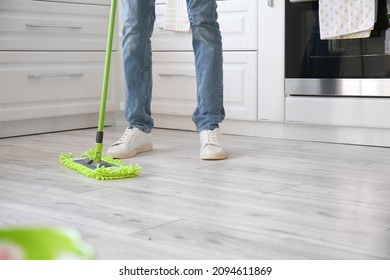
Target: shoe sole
214, 157
142, 149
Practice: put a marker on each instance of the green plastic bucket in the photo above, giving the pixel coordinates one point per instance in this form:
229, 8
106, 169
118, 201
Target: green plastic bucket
43, 243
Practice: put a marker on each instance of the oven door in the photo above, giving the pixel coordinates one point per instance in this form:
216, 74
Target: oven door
337, 67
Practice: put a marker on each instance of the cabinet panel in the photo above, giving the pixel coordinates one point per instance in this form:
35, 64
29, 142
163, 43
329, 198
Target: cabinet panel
48, 84
271, 61
355, 112
38, 25
238, 23
175, 84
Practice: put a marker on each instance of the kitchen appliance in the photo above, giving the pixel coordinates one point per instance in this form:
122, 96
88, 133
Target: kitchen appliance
337, 67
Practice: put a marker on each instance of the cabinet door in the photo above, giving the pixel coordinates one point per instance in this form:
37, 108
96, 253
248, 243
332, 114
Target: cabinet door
271, 61
238, 23
175, 84
39, 25
52, 84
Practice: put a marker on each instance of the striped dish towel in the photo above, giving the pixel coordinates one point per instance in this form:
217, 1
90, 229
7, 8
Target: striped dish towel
176, 16
346, 19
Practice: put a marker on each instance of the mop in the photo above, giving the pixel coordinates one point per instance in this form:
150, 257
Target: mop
92, 163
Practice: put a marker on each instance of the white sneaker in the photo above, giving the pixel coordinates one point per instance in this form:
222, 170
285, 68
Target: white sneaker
133, 141
211, 146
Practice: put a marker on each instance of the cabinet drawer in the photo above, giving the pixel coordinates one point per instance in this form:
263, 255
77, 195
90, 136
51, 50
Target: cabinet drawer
339, 111
175, 84
47, 84
38, 25
238, 23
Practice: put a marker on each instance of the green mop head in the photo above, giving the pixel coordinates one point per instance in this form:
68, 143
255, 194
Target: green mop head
105, 169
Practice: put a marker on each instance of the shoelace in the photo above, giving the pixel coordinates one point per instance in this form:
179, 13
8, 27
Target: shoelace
213, 138
127, 136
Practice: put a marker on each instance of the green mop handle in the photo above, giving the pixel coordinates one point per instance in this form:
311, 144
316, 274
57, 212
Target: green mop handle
107, 63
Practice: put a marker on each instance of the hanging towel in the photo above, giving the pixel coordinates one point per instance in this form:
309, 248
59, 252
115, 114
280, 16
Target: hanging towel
346, 19
176, 16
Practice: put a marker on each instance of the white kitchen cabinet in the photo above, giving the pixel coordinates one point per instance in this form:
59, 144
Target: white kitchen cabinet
238, 25
51, 65
174, 82
41, 25
51, 84
271, 97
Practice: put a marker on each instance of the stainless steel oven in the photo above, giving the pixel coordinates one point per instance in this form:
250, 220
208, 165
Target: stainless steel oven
349, 67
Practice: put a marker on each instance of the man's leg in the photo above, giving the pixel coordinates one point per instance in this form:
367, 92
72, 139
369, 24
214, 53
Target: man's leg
138, 18
207, 44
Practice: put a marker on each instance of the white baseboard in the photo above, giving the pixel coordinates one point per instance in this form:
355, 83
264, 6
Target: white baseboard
35, 126
318, 133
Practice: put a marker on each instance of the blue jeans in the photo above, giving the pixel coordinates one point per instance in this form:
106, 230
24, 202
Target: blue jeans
138, 17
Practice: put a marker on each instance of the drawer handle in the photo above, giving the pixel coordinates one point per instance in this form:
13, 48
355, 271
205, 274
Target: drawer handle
65, 75
54, 26
176, 75
163, 29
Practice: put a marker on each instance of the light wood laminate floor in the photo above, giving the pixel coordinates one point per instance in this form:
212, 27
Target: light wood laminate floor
272, 199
